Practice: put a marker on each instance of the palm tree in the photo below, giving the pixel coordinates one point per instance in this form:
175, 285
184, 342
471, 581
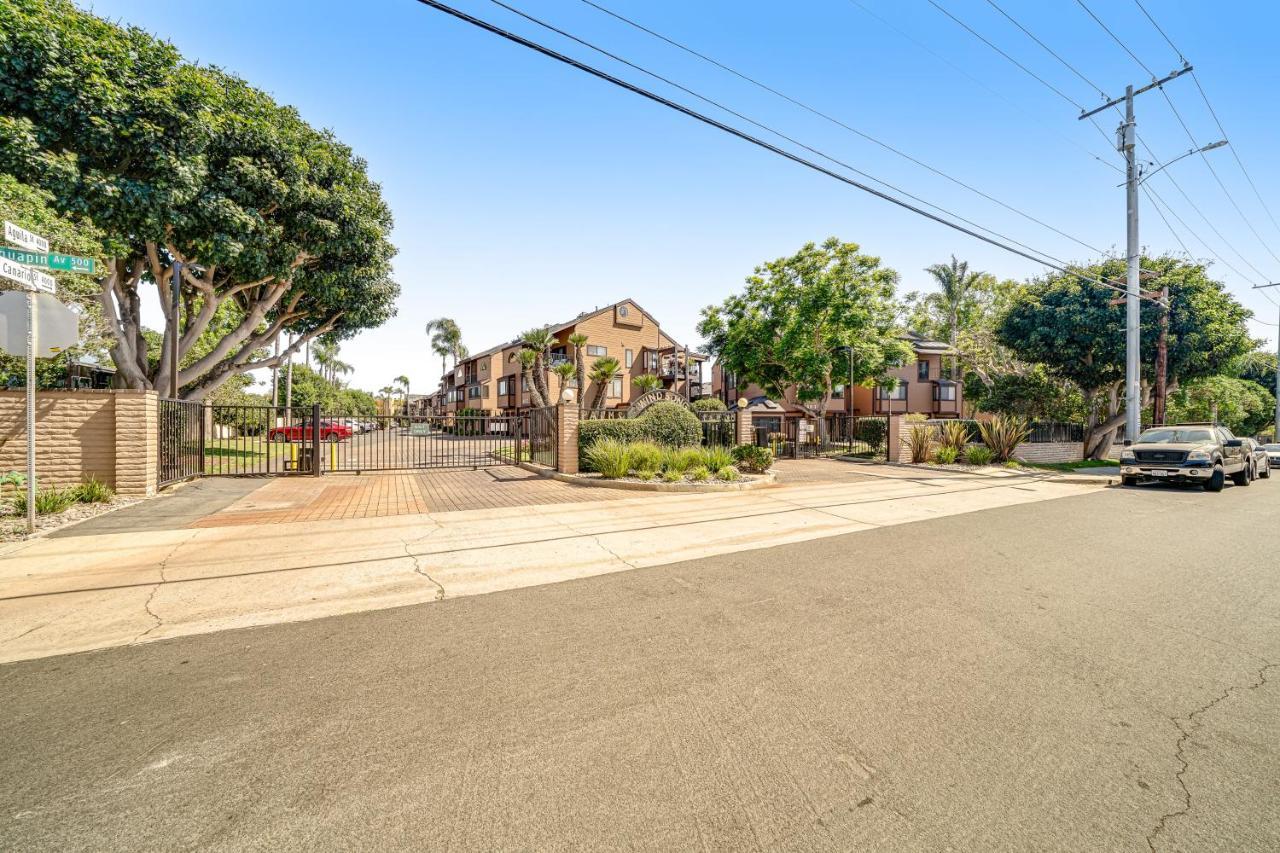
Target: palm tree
578, 340
529, 358
540, 341
602, 373
647, 382
446, 340
566, 372
339, 366
386, 391
955, 281
403, 382
325, 353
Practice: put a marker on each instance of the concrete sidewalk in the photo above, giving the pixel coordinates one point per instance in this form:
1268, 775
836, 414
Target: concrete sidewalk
87, 592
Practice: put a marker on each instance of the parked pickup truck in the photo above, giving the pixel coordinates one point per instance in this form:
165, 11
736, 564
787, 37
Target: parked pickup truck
1202, 454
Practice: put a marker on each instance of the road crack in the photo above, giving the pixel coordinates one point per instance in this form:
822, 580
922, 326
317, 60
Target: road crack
146, 605
417, 567
1187, 726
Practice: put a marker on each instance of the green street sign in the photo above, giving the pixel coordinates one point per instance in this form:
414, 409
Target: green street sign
50, 260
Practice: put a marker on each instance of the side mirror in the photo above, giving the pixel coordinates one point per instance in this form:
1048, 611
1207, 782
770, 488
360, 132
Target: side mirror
1128, 442
1234, 442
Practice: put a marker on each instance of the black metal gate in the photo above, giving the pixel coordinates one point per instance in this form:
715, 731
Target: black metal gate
835, 435
196, 439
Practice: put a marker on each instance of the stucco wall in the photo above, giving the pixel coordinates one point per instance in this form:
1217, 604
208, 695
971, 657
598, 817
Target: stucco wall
107, 435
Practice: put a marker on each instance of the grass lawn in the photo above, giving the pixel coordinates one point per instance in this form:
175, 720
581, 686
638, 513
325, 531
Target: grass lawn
245, 453
1075, 466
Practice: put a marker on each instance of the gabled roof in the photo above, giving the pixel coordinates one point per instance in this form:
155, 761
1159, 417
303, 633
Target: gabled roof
921, 344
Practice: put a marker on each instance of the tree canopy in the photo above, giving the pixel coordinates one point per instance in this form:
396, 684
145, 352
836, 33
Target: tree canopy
798, 318
1075, 329
173, 162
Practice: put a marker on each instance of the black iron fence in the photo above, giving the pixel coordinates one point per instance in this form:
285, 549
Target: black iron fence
243, 440
833, 435
540, 433
404, 442
719, 429
1041, 432
181, 439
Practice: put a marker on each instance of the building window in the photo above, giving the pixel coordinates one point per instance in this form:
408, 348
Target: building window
615, 388
629, 357
922, 370
524, 383
899, 393
474, 392
837, 392
502, 387
596, 349
945, 391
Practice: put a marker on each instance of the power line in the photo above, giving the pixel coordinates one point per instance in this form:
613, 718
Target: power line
1190, 136
815, 111
1214, 113
552, 28
964, 73
743, 135
1050, 50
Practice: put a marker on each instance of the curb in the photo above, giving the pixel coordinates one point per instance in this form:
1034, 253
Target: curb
767, 479
1083, 479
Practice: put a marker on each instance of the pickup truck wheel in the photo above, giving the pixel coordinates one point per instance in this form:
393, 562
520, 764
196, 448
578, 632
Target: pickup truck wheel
1242, 478
1216, 481
1128, 481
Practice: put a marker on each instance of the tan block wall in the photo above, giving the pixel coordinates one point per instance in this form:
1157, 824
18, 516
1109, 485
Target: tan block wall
1063, 451
744, 430
567, 438
137, 442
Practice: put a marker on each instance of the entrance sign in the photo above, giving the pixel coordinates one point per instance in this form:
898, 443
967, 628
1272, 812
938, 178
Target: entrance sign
658, 395
24, 238
419, 429
50, 260
26, 276
57, 326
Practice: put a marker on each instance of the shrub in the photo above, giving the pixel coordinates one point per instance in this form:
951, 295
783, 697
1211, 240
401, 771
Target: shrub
619, 429
682, 459
945, 455
48, 501
872, 431
93, 492
954, 435
672, 425
672, 476
915, 418
728, 473
642, 475
757, 460
609, 458
1003, 434
978, 454
645, 456
698, 473
920, 440
708, 404
716, 458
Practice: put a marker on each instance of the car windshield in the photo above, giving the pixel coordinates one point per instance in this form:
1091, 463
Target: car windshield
1175, 436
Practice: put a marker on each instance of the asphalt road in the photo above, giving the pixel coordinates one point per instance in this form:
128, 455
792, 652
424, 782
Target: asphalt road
1091, 673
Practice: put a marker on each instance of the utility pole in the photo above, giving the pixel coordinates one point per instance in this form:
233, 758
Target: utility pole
1126, 138
1276, 437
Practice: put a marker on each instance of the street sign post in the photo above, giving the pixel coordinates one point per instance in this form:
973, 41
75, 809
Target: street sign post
22, 237
57, 327
50, 260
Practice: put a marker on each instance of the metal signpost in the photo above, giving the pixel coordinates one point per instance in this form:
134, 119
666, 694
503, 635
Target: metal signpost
48, 323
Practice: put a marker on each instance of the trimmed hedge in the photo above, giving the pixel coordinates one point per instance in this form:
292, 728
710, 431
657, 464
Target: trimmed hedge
709, 404
621, 429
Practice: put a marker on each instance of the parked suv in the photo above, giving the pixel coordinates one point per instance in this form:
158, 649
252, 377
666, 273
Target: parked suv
1203, 454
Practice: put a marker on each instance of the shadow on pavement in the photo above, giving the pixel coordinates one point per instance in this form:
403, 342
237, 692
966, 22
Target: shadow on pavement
172, 510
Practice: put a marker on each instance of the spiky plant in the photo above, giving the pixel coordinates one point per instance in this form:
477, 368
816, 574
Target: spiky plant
578, 340
540, 342
647, 382
602, 373
566, 372
528, 362
1003, 434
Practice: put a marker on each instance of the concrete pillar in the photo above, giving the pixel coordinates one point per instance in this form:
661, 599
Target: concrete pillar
896, 447
744, 432
137, 450
567, 437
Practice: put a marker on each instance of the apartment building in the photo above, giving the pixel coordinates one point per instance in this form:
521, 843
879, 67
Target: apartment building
925, 386
491, 380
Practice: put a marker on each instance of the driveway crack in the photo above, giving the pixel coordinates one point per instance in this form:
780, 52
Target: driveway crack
1186, 727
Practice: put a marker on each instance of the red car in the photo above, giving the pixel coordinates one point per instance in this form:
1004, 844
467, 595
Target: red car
329, 431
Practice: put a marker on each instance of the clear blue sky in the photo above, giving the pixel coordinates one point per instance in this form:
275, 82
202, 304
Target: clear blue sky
525, 191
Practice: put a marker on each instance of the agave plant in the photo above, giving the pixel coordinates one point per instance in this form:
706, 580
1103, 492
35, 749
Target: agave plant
954, 435
920, 440
1003, 434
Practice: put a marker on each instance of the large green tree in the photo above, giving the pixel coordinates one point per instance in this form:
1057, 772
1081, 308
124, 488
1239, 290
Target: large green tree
175, 162
1244, 406
800, 316
1075, 329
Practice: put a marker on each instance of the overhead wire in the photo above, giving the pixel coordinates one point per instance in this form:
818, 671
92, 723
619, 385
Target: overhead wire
746, 137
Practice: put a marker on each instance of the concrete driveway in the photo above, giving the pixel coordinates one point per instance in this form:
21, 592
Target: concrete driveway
291, 549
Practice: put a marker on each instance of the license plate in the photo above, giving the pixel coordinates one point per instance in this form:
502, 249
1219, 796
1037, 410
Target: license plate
1159, 473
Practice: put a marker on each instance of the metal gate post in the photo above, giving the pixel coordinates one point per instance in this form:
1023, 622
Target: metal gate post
205, 413
315, 439
515, 427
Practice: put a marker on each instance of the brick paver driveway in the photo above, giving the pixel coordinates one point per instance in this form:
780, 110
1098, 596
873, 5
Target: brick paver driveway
291, 499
